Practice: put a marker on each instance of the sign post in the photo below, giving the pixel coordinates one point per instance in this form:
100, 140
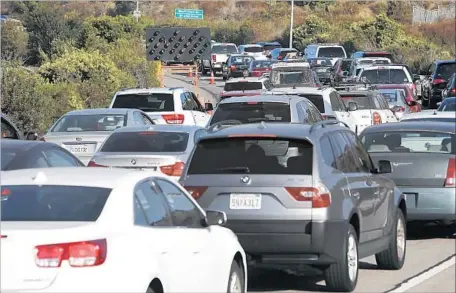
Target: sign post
180, 13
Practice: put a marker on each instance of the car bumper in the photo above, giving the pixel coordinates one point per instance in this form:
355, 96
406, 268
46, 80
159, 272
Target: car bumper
430, 204
283, 243
217, 65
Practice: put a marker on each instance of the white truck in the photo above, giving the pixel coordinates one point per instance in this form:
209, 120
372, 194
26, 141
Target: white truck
219, 54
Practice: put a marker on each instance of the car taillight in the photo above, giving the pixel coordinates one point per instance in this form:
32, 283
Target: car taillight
320, 197
78, 254
453, 90
196, 191
376, 118
214, 57
233, 67
93, 164
174, 118
438, 81
450, 180
173, 170
279, 57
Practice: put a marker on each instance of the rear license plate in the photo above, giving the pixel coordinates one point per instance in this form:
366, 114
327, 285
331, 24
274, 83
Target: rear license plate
81, 148
321, 70
245, 201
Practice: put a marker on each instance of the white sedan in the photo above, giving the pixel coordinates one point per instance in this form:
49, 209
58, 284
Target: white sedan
107, 230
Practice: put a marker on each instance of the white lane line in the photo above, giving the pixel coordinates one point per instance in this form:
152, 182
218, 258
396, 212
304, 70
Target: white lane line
420, 278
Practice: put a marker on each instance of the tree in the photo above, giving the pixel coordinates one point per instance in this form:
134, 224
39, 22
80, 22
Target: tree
125, 7
14, 41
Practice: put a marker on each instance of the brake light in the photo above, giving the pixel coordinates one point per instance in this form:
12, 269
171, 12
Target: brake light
79, 254
320, 197
173, 170
93, 164
376, 118
453, 90
438, 81
214, 57
196, 191
450, 180
233, 67
6, 192
174, 118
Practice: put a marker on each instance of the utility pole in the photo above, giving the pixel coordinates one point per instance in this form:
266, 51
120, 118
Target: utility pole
291, 24
137, 13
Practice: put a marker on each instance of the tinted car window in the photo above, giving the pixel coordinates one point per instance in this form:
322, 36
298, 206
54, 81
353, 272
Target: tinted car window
253, 49
252, 156
331, 52
327, 151
7, 157
362, 159
52, 203
147, 141
342, 151
445, 70
146, 102
317, 100
262, 63
363, 102
453, 120
346, 65
396, 76
99, 122
183, 211
152, 205
243, 86
410, 142
58, 158
271, 47
287, 76
220, 49
8, 131
252, 112
240, 60
448, 105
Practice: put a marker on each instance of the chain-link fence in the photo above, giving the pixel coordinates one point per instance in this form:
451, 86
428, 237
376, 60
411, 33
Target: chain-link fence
422, 15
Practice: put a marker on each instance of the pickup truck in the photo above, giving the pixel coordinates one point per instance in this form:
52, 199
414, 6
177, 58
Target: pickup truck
219, 55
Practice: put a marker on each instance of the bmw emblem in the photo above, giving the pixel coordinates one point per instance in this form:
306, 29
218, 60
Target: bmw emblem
245, 179
133, 162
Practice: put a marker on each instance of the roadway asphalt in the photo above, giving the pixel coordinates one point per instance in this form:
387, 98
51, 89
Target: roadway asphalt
430, 260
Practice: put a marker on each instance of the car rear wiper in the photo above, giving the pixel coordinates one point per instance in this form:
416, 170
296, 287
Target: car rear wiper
235, 169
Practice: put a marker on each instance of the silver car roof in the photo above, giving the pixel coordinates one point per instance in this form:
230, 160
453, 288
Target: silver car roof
164, 128
412, 126
269, 98
99, 111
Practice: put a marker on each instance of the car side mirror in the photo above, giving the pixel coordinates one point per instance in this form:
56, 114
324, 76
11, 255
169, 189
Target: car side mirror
31, 136
384, 167
352, 106
215, 218
412, 103
208, 107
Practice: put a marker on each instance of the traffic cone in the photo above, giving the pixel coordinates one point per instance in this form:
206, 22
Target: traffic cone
212, 79
189, 72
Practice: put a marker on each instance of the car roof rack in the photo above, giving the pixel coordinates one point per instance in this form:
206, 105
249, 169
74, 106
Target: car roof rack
324, 123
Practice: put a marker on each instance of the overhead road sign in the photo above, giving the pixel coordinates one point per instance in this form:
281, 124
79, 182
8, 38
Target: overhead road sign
188, 13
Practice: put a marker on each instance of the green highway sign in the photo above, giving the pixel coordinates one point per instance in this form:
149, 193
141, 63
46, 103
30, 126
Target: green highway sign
188, 13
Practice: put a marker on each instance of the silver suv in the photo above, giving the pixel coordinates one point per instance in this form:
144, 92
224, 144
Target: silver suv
301, 195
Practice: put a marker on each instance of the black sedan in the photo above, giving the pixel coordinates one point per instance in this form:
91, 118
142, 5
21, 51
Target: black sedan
236, 66
26, 154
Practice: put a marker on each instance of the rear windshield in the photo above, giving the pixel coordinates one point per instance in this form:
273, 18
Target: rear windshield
393, 97
252, 112
331, 52
290, 76
317, 100
253, 49
410, 141
147, 102
445, 70
49, 203
396, 76
241, 60
453, 120
146, 142
100, 122
7, 156
252, 156
242, 86
262, 63
320, 62
374, 54
228, 49
448, 106
271, 47
363, 102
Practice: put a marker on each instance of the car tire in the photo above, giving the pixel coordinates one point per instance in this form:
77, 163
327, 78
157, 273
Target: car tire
343, 275
393, 258
235, 279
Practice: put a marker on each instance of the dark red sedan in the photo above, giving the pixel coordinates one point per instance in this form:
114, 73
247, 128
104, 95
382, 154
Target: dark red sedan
258, 67
408, 95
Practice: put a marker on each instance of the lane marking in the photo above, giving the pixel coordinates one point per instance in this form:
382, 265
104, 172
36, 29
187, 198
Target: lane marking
425, 275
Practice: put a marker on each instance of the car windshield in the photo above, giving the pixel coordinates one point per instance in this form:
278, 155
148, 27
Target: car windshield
243, 86
146, 142
252, 156
363, 102
224, 49
43, 203
7, 156
331, 52
409, 141
449, 106
90, 122
251, 112
445, 70
241, 60
291, 76
253, 49
384, 76
149, 102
